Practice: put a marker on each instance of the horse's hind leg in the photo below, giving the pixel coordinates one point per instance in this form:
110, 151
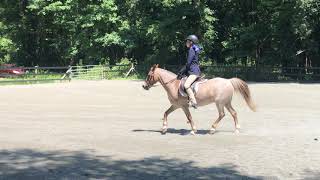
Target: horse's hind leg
234, 115
220, 108
189, 117
165, 118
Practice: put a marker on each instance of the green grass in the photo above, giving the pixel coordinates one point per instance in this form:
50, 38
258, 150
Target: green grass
132, 77
31, 79
28, 82
51, 78
104, 72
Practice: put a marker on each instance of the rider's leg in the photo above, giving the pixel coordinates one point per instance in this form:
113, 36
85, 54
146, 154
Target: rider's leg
187, 86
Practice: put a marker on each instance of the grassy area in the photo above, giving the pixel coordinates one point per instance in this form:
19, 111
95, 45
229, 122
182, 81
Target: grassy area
105, 72
52, 78
32, 77
132, 77
28, 82
118, 72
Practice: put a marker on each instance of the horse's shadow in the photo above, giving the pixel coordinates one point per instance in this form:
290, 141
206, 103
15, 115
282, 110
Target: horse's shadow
181, 132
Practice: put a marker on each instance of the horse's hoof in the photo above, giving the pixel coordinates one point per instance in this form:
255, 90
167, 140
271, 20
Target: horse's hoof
237, 131
164, 130
192, 133
212, 131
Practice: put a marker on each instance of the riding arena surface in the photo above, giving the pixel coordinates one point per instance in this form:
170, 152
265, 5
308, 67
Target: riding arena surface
111, 130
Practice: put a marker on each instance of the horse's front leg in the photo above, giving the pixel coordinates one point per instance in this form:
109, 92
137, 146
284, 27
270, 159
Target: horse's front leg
165, 118
189, 117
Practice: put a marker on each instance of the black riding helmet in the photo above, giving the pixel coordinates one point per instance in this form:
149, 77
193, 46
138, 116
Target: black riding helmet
193, 38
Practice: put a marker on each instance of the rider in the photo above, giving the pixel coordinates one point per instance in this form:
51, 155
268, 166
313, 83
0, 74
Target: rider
192, 69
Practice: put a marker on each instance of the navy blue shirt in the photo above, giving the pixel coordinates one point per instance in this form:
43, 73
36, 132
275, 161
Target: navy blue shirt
193, 61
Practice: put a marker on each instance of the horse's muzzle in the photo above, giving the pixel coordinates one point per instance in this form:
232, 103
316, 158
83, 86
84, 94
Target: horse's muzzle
146, 87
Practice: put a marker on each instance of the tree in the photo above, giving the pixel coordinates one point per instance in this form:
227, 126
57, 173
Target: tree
247, 32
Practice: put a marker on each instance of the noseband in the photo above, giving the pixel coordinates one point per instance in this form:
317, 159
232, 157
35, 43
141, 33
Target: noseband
151, 77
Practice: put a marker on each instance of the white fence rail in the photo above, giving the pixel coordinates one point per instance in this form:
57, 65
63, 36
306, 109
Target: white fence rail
97, 72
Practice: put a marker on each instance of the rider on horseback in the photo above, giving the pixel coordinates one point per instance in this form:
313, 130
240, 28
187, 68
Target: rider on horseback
192, 69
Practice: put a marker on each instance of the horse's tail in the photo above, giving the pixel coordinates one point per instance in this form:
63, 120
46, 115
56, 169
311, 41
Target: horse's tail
242, 87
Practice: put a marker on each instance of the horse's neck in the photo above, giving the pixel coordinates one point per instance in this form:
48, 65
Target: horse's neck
168, 81
166, 76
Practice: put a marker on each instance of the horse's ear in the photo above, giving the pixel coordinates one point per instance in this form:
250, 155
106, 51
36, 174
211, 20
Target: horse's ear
153, 66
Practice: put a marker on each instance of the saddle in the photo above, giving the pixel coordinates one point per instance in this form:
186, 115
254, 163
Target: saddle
194, 86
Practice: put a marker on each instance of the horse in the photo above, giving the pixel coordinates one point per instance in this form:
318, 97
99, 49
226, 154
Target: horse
217, 90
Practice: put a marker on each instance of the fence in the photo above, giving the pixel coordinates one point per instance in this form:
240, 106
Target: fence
25, 75
260, 74
97, 72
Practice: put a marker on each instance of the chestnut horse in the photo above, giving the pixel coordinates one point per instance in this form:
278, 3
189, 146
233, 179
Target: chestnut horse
216, 90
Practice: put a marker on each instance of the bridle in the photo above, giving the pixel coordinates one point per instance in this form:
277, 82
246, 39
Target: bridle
151, 77
170, 81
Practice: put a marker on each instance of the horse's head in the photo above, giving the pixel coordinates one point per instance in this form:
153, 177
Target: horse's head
151, 78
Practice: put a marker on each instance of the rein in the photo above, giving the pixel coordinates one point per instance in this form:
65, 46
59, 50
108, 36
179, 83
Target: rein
202, 77
172, 80
162, 83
